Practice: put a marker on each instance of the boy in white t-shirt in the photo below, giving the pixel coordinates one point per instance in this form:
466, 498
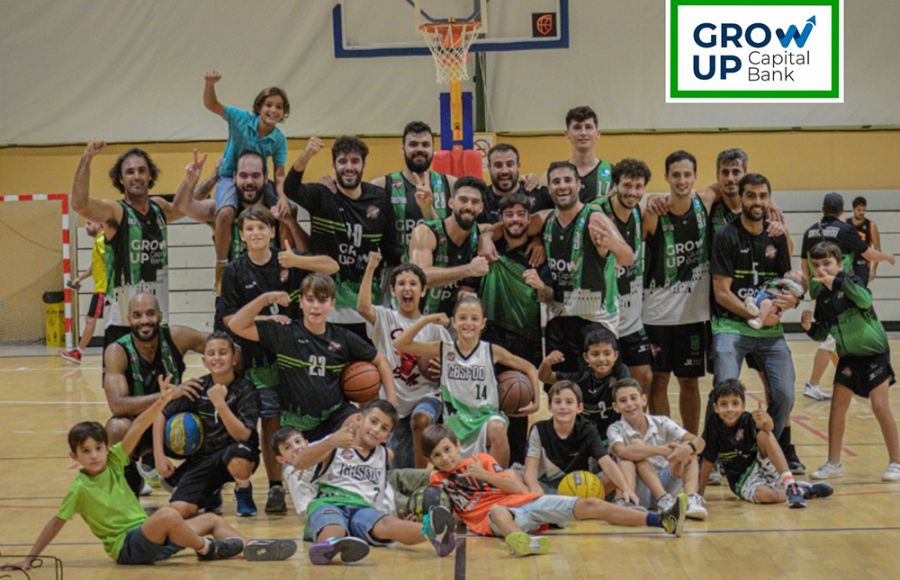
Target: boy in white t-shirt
418, 393
655, 449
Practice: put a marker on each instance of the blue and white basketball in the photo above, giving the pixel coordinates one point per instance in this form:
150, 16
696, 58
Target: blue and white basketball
184, 434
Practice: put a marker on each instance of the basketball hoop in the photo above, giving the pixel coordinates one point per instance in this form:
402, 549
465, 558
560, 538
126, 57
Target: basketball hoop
449, 44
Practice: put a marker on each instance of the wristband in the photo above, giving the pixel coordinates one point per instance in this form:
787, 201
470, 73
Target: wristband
692, 446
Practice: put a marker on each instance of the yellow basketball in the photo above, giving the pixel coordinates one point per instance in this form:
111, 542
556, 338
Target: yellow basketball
581, 484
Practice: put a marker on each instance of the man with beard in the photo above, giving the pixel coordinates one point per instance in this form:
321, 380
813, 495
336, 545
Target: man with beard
676, 290
137, 257
346, 225
446, 249
504, 168
583, 250
416, 193
511, 293
134, 365
250, 182
745, 257
630, 178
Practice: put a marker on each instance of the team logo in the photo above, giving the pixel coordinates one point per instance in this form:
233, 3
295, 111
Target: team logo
739, 435
451, 356
847, 372
347, 454
333, 346
372, 212
739, 51
770, 252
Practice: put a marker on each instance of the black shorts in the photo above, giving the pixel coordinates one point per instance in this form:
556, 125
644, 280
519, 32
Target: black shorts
98, 302
679, 349
200, 476
331, 424
566, 334
634, 349
861, 374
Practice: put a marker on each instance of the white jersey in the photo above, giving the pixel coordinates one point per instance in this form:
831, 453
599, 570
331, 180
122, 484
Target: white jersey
300, 485
361, 480
411, 385
468, 388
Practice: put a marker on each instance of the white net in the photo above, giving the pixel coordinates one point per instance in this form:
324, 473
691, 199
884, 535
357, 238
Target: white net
449, 43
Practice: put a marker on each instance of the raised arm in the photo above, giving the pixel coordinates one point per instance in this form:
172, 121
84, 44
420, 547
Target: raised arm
364, 299
606, 237
293, 183
115, 385
104, 211
287, 258
210, 100
145, 419
406, 341
243, 322
320, 450
204, 211
238, 431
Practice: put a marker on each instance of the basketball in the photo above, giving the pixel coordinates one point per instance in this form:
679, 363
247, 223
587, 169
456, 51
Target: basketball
418, 503
424, 362
184, 434
361, 381
581, 484
514, 391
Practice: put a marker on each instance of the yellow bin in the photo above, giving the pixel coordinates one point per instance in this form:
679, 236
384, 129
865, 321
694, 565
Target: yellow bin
55, 318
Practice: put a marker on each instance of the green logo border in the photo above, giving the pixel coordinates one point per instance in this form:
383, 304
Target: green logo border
833, 93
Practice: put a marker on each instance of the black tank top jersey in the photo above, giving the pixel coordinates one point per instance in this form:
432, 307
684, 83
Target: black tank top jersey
413, 213
686, 232
244, 281
625, 274
147, 382
864, 229
456, 255
151, 251
559, 260
589, 191
720, 215
539, 198
242, 399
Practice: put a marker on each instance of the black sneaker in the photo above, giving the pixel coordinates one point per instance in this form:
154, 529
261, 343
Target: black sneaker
796, 466
223, 549
673, 518
815, 490
269, 550
275, 502
794, 496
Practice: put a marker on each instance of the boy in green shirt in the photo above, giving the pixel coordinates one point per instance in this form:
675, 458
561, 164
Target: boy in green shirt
102, 496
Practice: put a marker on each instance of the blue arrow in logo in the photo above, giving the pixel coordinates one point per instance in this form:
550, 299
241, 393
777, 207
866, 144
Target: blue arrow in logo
794, 34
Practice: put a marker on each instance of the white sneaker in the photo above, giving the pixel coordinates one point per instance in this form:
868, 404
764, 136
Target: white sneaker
715, 475
146, 490
754, 323
830, 470
815, 392
751, 307
665, 502
892, 473
696, 507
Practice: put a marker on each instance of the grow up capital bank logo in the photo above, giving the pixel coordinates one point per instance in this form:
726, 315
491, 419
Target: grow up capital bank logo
750, 51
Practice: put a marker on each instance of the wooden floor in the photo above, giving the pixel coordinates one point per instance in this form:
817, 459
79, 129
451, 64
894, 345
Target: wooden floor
854, 533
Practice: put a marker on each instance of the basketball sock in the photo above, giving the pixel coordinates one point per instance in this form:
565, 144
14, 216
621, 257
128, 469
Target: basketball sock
274, 483
653, 520
787, 478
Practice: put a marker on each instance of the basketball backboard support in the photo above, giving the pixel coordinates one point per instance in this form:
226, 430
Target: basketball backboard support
358, 29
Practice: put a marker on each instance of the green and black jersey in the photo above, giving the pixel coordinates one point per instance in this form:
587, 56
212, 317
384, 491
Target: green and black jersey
720, 215
449, 255
407, 214
596, 182
630, 278
736, 447
143, 375
584, 282
831, 229
539, 198
751, 261
137, 261
846, 313
347, 230
309, 368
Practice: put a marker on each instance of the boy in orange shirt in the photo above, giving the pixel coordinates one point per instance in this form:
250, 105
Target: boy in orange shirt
492, 501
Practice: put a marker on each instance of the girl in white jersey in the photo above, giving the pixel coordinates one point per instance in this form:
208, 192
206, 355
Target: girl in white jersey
468, 383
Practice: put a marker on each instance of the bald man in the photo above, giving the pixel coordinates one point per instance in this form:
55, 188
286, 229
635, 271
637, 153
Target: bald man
135, 363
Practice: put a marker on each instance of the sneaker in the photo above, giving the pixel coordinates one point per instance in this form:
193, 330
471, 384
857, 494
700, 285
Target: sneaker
73, 356
673, 518
146, 489
275, 502
222, 549
715, 475
754, 323
269, 550
243, 497
521, 544
828, 471
794, 496
751, 307
815, 392
350, 550
696, 509
892, 473
796, 466
621, 501
438, 527
150, 475
213, 503
665, 502
815, 490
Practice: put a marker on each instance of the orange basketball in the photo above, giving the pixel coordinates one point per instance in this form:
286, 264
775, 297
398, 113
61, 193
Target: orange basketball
361, 381
514, 391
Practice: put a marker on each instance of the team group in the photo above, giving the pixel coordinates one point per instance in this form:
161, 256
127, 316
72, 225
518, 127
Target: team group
438, 281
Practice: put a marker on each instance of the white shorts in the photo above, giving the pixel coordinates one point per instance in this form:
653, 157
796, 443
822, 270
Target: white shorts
761, 473
299, 485
828, 344
479, 443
